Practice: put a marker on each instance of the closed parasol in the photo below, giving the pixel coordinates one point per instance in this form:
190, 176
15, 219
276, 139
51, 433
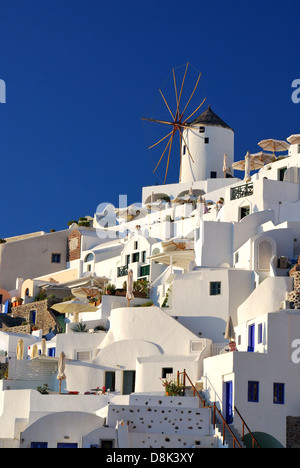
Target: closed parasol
43, 347
61, 369
274, 145
20, 349
229, 331
34, 351
129, 293
225, 168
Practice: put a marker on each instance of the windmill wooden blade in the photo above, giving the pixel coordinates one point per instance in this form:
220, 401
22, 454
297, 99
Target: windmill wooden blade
196, 110
167, 104
168, 158
175, 86
160, 140
163, 153
176, 122
183, 80
196, 85
158, 121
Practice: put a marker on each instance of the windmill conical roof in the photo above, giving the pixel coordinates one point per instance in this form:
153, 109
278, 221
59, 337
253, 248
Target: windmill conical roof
209, 118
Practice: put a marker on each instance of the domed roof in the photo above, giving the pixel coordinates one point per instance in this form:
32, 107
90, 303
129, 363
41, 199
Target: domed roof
209, 118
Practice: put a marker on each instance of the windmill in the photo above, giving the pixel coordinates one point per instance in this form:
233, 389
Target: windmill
177, 123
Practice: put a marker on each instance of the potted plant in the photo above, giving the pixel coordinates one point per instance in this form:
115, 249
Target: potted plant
171, 388
19, 301
110, 289
141, 288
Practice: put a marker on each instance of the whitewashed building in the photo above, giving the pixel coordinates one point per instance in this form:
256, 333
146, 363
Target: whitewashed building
213, 249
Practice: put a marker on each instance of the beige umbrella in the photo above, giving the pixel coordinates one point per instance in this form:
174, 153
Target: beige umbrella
274, 145
229, 331
294, 139
129, 293
266, 158
247, 165
73, 306
43, 347
88, 291
20, 349
61, 369
34, 351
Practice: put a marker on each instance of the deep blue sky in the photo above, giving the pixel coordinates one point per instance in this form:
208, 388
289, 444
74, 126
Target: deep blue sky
81, 74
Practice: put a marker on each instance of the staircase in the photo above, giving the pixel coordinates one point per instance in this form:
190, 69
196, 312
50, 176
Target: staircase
231, 437
226, 432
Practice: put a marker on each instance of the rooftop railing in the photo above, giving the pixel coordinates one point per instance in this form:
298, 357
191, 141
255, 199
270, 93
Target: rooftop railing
241, 191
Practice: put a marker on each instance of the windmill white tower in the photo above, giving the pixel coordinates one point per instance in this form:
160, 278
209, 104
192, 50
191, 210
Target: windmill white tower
205, 141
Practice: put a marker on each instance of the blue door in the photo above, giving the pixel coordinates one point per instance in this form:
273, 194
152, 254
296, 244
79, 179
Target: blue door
251, 341
228, 402
6, 307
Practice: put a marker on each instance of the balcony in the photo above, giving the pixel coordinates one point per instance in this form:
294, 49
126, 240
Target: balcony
241, 191
122, 271
145, 270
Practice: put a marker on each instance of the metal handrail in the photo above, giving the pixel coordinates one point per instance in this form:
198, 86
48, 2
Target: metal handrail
254, 441
215, 408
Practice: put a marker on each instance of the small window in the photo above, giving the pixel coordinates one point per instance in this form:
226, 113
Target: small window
144, 256
127, 260
136, 245
201, 129
89, 268
136, 257
107, 444
39, 445
244, 211
183, 149
196, 346
278, 394
259, 333
89, 258
206, 140
239, 340
166, 371
281, 173
215, 288
253, 391
55, 258
213, 175
236, 257
83, 355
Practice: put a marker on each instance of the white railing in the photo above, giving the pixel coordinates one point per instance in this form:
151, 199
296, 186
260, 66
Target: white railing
218, 347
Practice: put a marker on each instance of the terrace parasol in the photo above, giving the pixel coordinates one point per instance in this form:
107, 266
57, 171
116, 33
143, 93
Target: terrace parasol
294, 139
247, 165
274, 145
